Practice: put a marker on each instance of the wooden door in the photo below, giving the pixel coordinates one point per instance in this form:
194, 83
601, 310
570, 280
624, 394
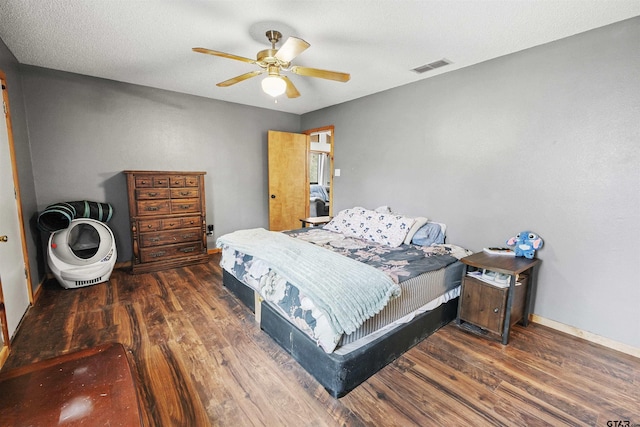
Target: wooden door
288, 180
13, 264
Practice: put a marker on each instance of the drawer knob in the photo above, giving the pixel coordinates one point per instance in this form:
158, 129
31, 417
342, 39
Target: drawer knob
495, 310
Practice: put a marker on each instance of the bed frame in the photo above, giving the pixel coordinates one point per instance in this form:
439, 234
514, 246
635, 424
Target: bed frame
339, 374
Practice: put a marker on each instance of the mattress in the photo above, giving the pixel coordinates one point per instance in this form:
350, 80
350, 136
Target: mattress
418, 289
417, 292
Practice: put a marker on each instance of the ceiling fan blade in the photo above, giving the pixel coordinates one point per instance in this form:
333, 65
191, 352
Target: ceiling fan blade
223, 54
323, 74
291, 48
292, 92
239, 78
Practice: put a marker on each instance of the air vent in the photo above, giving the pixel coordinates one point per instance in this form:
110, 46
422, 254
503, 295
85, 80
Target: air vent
431, 66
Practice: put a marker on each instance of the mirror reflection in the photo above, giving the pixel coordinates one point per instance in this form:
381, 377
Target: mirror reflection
320, 174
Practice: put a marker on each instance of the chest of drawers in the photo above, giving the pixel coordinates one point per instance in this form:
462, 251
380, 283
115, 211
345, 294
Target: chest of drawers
167, 213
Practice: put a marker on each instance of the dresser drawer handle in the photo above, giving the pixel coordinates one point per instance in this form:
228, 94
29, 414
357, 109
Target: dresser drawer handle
171, 224
184, 193
154, 239
188, 236
495, 310
187, 250
152, 208
185, 206
152, 194
157, 254
149, 226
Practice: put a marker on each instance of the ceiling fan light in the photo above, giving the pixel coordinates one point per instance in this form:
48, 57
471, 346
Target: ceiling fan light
274, 86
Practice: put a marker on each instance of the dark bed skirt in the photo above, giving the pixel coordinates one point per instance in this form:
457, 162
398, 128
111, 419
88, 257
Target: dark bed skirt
339, 374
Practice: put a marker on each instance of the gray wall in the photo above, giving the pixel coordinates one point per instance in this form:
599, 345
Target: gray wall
85, 131
547, 139
9, 65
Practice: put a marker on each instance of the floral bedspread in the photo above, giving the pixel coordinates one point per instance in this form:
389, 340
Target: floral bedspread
401, 263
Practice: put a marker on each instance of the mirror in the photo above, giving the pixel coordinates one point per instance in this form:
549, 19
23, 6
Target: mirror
320, 172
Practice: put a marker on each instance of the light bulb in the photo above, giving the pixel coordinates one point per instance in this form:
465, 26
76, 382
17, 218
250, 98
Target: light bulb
274, 86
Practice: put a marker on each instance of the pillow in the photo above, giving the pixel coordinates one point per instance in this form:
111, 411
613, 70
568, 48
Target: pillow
384, 228
430, 233
420, 221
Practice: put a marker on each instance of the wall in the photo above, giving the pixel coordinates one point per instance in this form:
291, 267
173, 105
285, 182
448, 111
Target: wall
9, 65
85, 131
546, 139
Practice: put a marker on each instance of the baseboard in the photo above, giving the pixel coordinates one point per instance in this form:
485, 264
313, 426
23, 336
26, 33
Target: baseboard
597, 339
36, 294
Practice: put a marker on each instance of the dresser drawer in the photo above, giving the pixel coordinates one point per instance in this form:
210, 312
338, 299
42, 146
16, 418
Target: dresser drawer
150, 181
153, 207
185, 205
167, 252
185, 192
184, 181
152, 193
191, 221
150, 225
170, 237
171, 223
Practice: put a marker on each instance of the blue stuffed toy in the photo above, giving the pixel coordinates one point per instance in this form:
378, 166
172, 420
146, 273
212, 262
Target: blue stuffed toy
526, 243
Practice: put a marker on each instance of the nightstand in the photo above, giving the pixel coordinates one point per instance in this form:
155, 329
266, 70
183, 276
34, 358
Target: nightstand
316, 220
489, 310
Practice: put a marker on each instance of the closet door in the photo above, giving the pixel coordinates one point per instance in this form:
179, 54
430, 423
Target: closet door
288, 180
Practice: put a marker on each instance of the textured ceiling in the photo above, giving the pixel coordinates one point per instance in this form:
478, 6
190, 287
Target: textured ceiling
148, 42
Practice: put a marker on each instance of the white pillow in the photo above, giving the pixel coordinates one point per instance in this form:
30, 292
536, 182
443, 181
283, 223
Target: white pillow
420, 221
384, 228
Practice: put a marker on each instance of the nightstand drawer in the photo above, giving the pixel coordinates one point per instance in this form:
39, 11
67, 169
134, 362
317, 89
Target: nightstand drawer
483, 304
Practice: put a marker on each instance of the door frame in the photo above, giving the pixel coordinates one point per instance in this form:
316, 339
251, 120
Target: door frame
332, 129
4, 352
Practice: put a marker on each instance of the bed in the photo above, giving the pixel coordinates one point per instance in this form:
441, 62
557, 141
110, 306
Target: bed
348, 298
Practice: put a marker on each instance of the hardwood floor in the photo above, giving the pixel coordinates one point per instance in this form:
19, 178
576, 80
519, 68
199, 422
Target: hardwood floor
200, 359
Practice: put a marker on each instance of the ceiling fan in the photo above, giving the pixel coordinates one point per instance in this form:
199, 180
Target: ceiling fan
273, 61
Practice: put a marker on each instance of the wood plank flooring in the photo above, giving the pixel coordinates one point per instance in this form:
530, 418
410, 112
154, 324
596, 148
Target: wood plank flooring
200, 359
